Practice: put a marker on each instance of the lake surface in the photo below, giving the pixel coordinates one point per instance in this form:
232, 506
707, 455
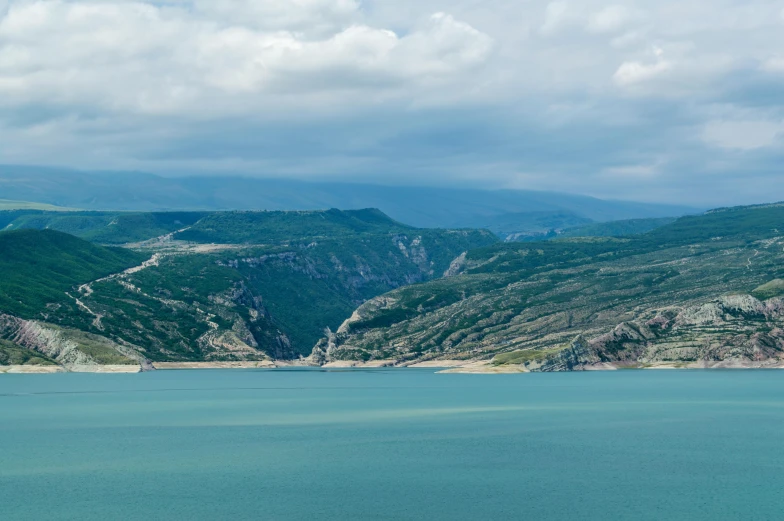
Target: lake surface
392, 445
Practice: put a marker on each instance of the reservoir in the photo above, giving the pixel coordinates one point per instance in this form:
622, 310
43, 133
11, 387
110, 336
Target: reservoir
392, 444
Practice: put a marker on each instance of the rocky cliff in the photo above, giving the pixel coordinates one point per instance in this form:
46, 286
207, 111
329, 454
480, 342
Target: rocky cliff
67, 347
704, 291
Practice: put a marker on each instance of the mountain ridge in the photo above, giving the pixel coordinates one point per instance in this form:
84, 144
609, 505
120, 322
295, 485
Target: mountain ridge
503, 211
231, 286
533, 299
356, 287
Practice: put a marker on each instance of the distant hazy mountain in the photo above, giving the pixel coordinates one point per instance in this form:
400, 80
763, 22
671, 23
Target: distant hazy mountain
504, 211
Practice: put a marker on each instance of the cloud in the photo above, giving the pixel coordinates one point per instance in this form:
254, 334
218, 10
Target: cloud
611, 19
773, 65
743, 135
314, 17
620, 98
634, 72
144, 58
555, 16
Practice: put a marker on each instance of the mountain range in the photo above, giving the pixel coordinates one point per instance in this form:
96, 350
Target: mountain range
204, 286
704, 291
508, 213
91, 289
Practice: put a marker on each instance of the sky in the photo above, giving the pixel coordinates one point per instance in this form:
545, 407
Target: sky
677, 101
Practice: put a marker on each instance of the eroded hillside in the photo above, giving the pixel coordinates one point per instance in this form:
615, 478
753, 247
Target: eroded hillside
627, 301
234, 286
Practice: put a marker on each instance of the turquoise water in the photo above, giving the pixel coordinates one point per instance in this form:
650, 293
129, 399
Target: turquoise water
392, 444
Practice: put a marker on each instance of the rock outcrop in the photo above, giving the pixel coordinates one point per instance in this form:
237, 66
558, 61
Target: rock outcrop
576, 356
69, 348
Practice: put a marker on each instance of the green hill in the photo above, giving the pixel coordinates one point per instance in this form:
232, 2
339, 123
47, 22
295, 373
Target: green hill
217, 286
220, 286
276, 227
276, 298
541, 295
101, 227
622, 228
6, 204
13, 354
37, 268
40, 317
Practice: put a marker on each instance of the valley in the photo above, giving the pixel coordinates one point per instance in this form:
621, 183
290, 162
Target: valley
348, 288
234, 287
702, 291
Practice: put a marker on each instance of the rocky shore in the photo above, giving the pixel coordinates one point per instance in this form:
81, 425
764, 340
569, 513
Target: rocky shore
165, 366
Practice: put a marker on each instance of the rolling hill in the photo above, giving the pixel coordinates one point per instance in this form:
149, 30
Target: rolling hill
703, 290
215, 286
40, 272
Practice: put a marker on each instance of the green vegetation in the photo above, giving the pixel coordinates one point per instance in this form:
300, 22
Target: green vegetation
519, 297
95, 346
12, 354
6, 204
530, 226
271, 287
561, 225
748, 222
277, 298
250, 285
276, 227
774, 288
617, 228
101, 227
37, 268
251, 228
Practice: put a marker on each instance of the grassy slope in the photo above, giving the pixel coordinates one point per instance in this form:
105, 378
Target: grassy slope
205, 227
515, 295
277, 227
297, 288
617, 228
6, 204
101, 227
37, 268
291, 275
12, 354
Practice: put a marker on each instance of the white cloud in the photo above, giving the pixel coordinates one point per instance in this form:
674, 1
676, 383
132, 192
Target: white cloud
773, 65
303, 16
611, 19
569, 92
627, 39
635, 72
555, 16
743, 135
141, 57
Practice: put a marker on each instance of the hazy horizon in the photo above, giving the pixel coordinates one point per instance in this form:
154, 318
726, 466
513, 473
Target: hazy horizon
460, 185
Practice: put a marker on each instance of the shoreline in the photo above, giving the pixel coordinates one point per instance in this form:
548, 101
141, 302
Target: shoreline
175, 366
31, 369
486, 367
441, 366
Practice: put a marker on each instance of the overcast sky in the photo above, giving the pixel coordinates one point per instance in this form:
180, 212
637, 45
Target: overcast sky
672, 100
